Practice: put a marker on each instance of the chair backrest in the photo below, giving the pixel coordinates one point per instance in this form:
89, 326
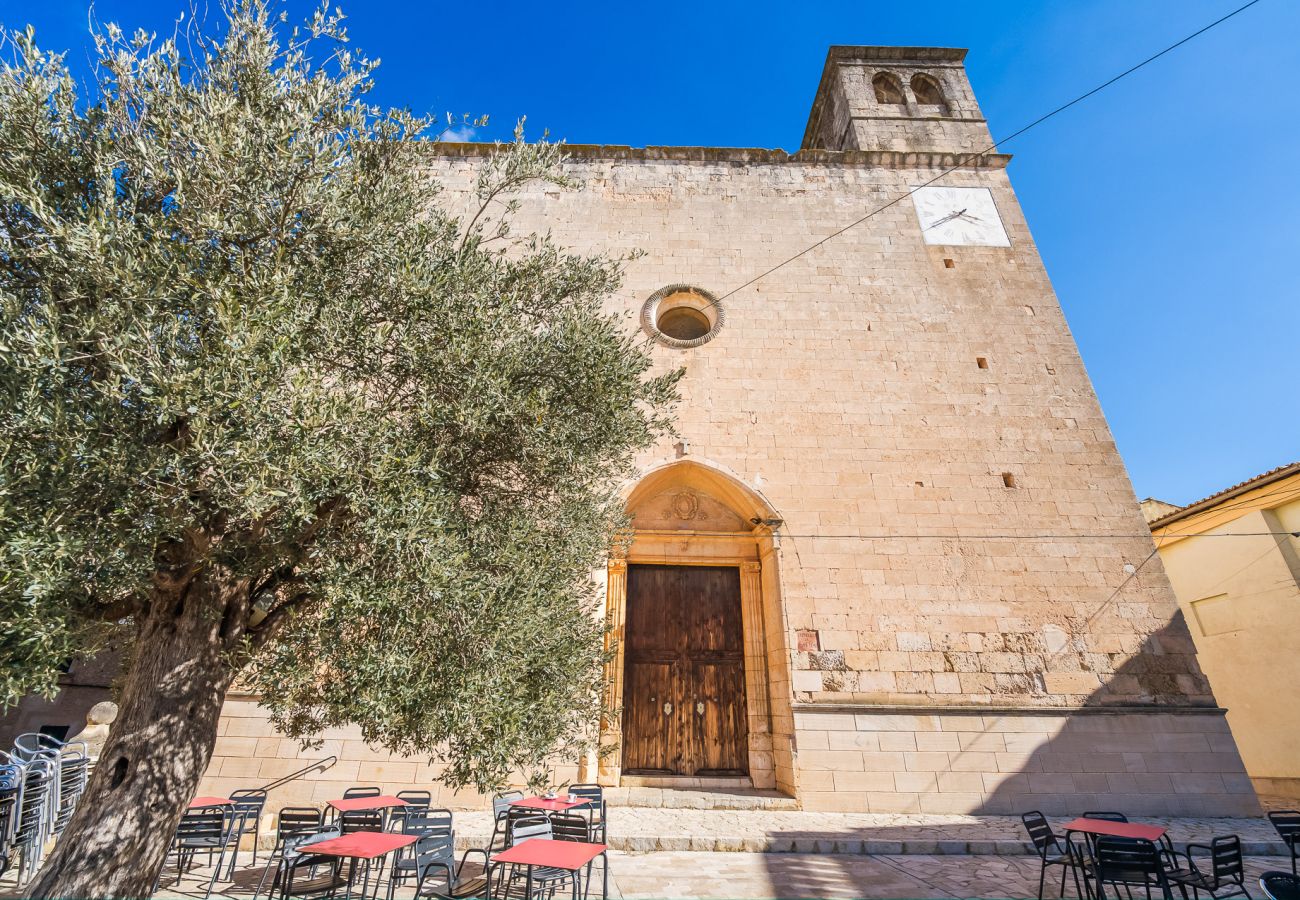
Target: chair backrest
1040, 832
1106, 816
354, 792
525, 828
251, 800
296, 821
591, 792
417, 803
570, 827
295, 846
501, 802
1129, 861
429, 822
203, 823
356, 820
1287, 823
418, 799
34, 744
435, 849
1225, 856
1280, 885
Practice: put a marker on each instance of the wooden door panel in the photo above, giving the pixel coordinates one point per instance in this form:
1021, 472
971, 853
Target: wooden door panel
684, 645
650, 743
712, 611
654, 611
718, 708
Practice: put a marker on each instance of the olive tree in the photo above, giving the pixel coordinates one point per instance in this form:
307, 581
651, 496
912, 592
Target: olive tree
272, 408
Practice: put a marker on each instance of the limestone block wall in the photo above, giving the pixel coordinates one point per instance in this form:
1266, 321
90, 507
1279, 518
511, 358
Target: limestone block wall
1143, 762
955, 514
249, 754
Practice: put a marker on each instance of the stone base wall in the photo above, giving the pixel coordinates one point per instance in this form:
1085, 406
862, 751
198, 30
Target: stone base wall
249, 754
1180, 762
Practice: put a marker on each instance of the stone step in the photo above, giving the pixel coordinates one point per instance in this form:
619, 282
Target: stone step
703, 798
777, 831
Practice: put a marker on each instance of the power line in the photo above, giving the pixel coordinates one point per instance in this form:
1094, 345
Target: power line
990, 148
1028, 537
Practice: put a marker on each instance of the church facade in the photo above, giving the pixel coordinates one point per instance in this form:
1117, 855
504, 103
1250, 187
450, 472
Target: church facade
891, 561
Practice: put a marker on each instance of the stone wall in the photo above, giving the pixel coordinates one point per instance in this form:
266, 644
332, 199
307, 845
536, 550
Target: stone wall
248, 754
1141, 761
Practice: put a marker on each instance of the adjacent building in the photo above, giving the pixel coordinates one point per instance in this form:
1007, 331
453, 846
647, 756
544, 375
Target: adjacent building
1233, 559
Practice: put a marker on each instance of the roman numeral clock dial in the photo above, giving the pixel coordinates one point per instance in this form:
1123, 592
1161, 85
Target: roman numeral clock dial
959, 216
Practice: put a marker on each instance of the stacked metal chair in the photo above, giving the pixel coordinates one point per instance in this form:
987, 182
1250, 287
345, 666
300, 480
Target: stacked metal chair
41, 780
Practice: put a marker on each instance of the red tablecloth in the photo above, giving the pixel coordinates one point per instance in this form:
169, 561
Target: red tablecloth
363, 844
570, 855
205, 802
1116, 829
383, 801
553, 804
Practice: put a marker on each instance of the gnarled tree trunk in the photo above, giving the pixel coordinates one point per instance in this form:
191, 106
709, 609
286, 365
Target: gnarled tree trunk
159, 746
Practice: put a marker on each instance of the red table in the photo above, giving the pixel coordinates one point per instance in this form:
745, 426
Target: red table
208, 802
1116, 829
549, 804
352, 804
364, 845
568, 855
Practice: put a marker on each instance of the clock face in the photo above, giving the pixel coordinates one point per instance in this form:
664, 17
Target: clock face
959, 216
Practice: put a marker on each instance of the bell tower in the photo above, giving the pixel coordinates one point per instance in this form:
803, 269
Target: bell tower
909, 99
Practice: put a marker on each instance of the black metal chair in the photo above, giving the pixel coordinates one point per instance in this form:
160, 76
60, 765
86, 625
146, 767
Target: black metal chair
297, 858
1226, 871
546, 880
1120, 817
417, 804
595, 809
203, 831
292, 822
1287, 824
434, 823
355, 820
246, 807
353, 793
1055, 851
502, 812
1280, 886
435, 855
1129, 863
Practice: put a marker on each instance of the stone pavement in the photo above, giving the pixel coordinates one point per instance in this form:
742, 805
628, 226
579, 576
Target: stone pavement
778, 831
777, 876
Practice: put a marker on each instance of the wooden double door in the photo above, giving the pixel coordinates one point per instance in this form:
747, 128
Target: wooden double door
684, 672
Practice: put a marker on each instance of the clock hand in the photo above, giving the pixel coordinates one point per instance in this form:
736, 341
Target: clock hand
947, 218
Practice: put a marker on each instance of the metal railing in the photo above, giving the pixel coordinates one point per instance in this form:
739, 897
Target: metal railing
319, 766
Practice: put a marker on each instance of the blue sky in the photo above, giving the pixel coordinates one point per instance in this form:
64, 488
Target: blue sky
1167, 208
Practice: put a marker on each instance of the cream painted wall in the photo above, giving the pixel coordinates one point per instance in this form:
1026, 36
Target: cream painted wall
1241, 598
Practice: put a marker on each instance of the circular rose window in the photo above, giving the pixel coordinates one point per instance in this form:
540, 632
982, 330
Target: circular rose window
682, 316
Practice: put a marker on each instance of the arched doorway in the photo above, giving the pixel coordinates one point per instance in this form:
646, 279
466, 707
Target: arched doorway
699, 673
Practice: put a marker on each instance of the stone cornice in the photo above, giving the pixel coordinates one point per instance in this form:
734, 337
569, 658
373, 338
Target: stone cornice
975, 710
887, 159
841, 52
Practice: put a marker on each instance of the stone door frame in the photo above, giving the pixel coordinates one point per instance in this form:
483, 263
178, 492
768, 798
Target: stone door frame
767, 673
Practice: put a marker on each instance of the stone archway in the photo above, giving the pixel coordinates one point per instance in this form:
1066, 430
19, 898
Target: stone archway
694, 513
